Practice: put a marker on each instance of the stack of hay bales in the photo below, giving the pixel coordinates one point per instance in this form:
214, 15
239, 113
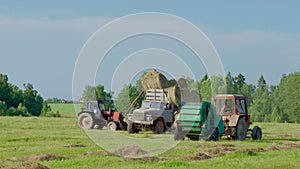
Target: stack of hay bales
156, 80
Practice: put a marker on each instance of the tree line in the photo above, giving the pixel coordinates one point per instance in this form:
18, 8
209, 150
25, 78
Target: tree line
17, 102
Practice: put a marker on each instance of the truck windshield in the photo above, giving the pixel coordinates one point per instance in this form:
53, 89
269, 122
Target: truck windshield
145, 104
155, 105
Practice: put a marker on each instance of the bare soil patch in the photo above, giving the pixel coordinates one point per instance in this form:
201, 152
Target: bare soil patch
131, 151
198, 156
75, 145
101, 152
26, 166
35, 158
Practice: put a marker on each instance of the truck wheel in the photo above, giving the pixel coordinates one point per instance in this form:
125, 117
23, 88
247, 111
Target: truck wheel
241, 129
112, 126
178, 135
123, 125
86, 121
131, 128
214, 136
256, 133
158, 127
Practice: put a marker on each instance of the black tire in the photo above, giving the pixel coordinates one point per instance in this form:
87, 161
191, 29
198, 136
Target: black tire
256, 133
158, 127
214, 136
112, 126
131, 128
241, 129
233, 133
86, 121
178, 135
123, 125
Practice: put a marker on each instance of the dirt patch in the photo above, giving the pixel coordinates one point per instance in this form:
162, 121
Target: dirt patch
220, 151
26, 166
39, 157
44, 157
214, 145
131, 151
151, 159
75, 145
101, 152
198, 156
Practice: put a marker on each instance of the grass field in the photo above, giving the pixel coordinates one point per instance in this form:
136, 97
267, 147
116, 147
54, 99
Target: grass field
59, 143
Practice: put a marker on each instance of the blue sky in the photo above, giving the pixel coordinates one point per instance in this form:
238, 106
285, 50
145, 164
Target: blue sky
40, 40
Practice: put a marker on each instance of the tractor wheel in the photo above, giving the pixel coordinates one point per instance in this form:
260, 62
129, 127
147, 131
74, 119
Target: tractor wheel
86, 121
178, 135
241, 129
214, 136
256, 133
158, 127
112, 126
131, 128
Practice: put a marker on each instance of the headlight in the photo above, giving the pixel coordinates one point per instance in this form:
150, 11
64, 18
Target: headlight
129, 116
149, 118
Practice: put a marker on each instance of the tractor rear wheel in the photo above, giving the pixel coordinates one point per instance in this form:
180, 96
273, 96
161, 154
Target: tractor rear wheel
86, 121
256, 133
241, 129
112, 126
214, 136
158, 127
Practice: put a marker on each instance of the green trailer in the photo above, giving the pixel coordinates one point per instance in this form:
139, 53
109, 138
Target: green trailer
198, 121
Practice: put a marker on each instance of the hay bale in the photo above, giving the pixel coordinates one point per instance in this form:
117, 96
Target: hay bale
182, 83
173, 94
154, 80
190, 96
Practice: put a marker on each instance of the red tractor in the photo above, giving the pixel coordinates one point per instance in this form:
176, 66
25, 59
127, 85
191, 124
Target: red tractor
95, 115
234, 112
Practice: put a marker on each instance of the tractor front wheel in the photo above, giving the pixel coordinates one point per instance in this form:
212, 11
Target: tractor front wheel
112, 126
256, 133
86, 121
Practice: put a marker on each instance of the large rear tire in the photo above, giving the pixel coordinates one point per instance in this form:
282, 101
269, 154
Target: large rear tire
158, 127
241, 129
86, 121
214, 136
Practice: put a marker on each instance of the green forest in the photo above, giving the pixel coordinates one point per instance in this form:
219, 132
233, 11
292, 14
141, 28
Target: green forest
17, 102
267, 103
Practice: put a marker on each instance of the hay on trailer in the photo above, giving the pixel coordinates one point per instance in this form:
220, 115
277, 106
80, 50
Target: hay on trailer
155, 80
173, 94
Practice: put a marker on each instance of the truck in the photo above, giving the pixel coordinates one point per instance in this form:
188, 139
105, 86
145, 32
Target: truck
156, 113
227, 116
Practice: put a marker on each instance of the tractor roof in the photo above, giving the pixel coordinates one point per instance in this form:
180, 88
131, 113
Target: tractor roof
229, 96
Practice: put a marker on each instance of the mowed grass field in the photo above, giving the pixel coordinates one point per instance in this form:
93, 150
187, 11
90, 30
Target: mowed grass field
39, 142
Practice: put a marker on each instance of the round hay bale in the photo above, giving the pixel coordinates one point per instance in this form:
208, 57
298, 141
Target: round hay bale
182, 83
154, 80
190, 96
173, 94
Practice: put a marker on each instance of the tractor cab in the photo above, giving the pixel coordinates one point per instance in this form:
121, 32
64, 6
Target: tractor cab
229, 105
